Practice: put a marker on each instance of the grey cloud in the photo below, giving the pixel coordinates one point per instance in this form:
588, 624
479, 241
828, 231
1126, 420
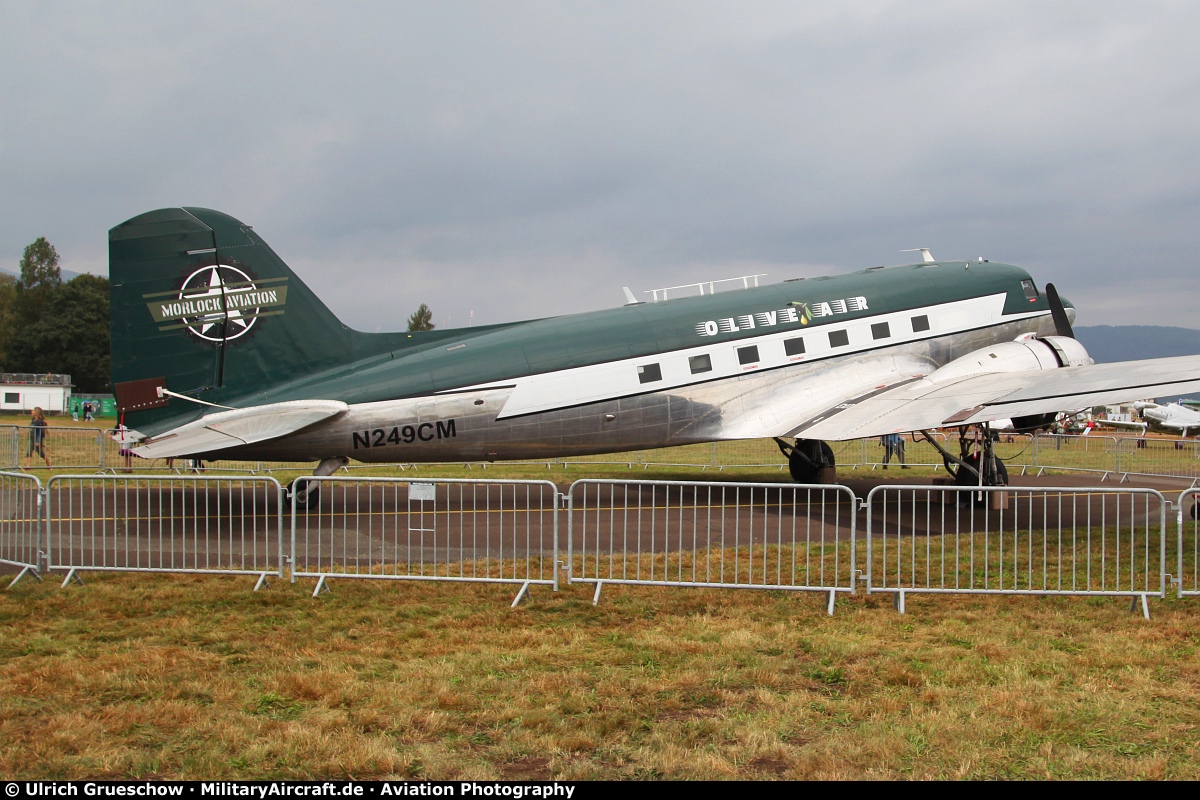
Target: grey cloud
529, 159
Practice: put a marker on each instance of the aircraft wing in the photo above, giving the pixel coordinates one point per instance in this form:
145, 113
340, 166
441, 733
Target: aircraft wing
239, 426
924, 403
1118, 423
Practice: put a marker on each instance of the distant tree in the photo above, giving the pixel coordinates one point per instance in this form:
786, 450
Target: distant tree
50, 326
39, 266
8, 293
39, 281
421, 320
72, 338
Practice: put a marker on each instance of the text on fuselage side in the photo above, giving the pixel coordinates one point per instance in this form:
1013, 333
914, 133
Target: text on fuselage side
802, 313
405, 434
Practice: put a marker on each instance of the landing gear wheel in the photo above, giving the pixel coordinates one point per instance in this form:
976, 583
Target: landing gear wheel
997, 475
306, 500
991, 477
808, 458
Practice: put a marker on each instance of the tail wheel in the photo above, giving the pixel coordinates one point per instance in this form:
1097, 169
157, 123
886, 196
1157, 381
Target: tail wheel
808, 458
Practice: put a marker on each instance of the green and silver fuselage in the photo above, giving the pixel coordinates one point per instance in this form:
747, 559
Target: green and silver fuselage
695, 369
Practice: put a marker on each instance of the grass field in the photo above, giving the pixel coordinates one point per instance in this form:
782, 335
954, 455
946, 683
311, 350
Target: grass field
187, 677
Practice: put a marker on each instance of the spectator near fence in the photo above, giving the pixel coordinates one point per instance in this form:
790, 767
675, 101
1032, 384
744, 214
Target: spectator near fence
37, 436
893, 445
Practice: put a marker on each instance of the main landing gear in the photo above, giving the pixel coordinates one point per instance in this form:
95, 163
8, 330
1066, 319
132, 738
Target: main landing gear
308, 495
809, 460
976, 463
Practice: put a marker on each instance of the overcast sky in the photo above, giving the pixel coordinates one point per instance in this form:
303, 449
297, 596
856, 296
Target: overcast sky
527, 159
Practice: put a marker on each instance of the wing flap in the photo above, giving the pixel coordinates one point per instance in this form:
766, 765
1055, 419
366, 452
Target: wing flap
239, 426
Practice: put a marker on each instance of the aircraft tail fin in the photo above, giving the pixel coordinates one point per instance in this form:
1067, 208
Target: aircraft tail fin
201, 305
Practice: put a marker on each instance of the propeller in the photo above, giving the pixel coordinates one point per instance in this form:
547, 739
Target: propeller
1062, 325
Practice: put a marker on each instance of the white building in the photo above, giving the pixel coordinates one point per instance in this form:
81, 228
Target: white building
22, 391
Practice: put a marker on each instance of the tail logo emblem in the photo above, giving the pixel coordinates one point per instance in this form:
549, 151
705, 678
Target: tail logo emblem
218, 304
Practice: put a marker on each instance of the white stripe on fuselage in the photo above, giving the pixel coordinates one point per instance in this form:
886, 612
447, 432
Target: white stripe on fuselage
614, 379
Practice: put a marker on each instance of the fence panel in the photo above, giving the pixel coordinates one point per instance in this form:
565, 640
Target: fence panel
734, 535
1016, 540
10, 436
201, 524
426, 529
1056, 452
21, 542
66, 448
1170, 458
1186, 562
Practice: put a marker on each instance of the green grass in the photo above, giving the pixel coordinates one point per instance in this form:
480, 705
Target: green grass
189, 677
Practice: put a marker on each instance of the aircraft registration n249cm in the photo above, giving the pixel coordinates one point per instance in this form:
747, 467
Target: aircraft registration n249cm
220, 352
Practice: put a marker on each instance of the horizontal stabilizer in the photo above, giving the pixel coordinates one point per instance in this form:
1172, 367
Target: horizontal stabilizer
238, 427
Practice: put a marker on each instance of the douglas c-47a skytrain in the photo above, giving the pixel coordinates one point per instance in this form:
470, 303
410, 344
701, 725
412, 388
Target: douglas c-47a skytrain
220, 352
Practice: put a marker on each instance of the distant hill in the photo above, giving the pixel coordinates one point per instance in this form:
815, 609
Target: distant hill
1107, 343
66, 273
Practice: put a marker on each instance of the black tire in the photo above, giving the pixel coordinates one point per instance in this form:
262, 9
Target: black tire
965, 477
808, 458
307, 501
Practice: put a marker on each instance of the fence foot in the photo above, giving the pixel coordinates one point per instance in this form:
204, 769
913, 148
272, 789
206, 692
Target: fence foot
898, 602
829, 605
262, 582
23, 573
322, 586
1133, 604
596, 596
72, 575
521, 595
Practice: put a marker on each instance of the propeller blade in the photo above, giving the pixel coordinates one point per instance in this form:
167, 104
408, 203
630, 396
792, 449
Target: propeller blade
1062, 325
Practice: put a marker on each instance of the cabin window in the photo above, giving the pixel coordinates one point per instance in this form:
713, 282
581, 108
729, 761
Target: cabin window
649, 372
794, 347
748, 355
920, 323
838, 338
700, 364
12, 397
880, 330
1031, 292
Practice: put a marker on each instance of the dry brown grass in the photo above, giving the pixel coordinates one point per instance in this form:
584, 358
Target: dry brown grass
198, 677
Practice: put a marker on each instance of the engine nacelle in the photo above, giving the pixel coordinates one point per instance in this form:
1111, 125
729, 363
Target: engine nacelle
1028, 352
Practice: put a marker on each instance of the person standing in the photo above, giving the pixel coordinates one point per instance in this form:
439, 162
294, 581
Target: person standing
893, 445
37, 436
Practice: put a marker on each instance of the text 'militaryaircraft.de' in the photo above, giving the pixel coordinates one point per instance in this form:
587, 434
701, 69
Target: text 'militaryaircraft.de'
220, 352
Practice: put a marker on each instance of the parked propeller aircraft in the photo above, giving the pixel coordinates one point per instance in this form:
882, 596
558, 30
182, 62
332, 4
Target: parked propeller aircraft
219, 351
1171, 417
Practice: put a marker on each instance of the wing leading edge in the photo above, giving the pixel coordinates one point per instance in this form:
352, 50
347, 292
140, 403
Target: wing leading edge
924, 403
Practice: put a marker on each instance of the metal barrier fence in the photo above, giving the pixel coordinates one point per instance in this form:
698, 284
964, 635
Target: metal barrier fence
1075, 454
432, 529
202, 524
9, 437
1174, 458
730, 535
20, 523
1012, 540
65, 448
1187, 559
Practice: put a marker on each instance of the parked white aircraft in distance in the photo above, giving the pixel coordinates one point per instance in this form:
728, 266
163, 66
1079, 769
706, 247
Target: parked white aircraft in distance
1172, 418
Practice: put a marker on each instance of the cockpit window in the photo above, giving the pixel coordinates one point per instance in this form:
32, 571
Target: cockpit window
1031, 292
